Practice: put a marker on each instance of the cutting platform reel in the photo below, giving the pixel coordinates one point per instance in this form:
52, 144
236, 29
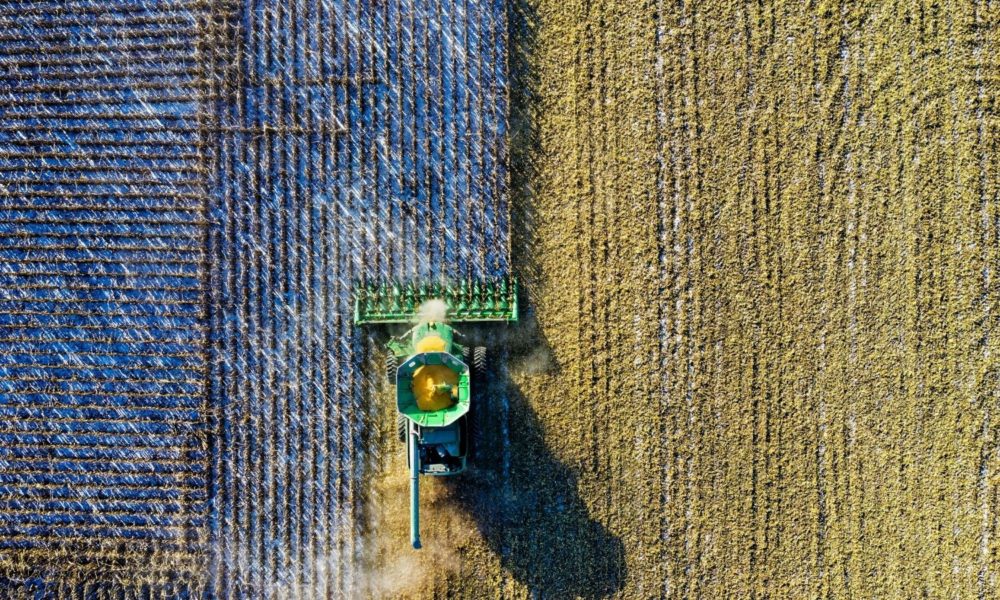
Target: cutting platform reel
467, 300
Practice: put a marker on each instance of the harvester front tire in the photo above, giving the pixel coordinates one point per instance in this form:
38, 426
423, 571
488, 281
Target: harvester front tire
401, 427
479, 361
390, 368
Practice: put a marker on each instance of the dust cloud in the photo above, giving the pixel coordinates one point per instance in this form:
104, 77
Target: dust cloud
433, 311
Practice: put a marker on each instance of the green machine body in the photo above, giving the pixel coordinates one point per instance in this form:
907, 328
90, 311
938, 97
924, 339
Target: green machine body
433, 376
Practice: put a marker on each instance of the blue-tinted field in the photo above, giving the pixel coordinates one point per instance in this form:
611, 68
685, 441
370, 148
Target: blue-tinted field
188, 192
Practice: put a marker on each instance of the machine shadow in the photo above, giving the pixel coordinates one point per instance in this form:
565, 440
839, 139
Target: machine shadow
526, 506
525, 502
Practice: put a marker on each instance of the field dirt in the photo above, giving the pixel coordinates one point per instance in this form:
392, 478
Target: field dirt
759, 359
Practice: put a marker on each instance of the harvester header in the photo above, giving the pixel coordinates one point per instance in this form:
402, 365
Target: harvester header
466, 300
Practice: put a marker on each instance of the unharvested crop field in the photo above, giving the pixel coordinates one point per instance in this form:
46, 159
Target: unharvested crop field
189, 192
760, 244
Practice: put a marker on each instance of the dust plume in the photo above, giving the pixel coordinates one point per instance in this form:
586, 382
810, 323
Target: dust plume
433, 311
537, 361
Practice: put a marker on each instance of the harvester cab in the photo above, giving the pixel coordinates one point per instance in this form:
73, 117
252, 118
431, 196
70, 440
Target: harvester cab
431, 371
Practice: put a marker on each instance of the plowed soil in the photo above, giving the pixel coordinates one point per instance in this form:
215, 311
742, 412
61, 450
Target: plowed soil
759, 244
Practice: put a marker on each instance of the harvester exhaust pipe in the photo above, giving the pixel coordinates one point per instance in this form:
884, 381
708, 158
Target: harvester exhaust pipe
414, 488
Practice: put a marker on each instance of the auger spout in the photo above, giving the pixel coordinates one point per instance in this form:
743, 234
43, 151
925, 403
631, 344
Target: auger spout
414, 488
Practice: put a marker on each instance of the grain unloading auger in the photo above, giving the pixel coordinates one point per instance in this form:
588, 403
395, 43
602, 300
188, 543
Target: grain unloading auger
431, 371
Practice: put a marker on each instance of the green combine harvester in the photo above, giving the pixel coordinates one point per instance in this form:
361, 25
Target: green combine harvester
432, 372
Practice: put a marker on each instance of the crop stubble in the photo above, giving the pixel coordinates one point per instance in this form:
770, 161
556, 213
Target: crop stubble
760, 247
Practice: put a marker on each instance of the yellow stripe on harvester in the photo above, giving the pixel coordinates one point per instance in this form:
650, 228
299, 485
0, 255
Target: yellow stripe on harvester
431, 343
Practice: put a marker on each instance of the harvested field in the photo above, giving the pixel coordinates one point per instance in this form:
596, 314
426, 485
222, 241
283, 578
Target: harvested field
760, 247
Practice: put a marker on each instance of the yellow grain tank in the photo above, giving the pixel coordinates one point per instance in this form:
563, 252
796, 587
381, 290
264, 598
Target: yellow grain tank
435, 387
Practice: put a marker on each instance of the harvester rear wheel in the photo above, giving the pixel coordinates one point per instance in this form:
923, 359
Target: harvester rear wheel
390, 368
479, 361
401, 427
477, 408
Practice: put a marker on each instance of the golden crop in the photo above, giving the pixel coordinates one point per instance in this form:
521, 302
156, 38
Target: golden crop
760, 242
